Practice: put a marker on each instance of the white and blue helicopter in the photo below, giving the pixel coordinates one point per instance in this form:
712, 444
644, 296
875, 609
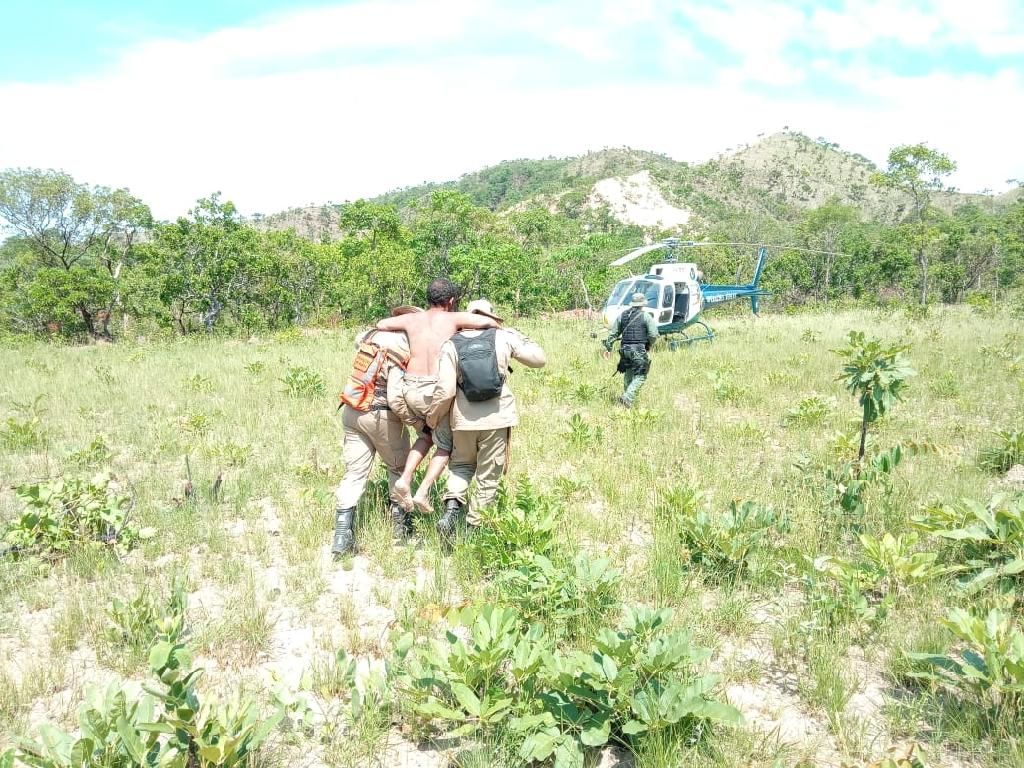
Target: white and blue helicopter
676, 292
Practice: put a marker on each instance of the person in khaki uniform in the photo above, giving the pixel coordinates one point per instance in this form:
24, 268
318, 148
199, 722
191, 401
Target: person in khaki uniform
481, 430
412, 393
368, 434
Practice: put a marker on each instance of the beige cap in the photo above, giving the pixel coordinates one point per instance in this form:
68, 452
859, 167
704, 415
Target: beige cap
405, 309
483, 307
639, 300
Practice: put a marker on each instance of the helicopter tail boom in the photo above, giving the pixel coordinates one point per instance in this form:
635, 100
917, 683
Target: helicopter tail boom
762, 257
718, 294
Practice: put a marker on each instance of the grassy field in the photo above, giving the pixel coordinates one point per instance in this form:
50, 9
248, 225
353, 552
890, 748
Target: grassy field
820, 675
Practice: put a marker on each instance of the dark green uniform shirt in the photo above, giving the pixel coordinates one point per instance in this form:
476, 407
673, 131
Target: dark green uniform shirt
616, 330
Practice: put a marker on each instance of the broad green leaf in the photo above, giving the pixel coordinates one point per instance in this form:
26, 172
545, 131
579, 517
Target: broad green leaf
597, 733
568, 754
81, 752
720, 712
467, 699
159, 655
212, 754
56, 743
131, 740
633, 727
537, 747
265, 728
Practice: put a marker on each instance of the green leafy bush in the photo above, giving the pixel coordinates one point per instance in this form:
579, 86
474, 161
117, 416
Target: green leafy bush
300, 381
569, 598
863, 588
519, 525
991, 537
849, 482
167, 726
731, 543
533, 572
810, 411
114, 731
137, 622
636, 680
69, 512
1005, 452
725, 389
988, 664
25, 428
93, 456
581, 434
197, 382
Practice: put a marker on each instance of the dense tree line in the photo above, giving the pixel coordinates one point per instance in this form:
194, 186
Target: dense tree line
90, 261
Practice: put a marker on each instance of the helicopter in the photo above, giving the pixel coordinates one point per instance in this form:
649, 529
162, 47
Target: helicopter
676, 292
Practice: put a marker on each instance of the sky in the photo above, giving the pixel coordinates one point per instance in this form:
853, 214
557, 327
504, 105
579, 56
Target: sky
280, 104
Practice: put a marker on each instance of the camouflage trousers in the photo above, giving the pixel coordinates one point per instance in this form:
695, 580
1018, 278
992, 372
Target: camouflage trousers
633, 383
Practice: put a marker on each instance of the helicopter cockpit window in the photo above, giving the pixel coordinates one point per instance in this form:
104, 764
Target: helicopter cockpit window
621, 294
651, 292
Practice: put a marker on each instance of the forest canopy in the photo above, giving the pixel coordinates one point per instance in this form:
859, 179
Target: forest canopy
85, 261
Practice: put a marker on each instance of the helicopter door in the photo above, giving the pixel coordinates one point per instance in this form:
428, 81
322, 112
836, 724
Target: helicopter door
665, 313
682, 304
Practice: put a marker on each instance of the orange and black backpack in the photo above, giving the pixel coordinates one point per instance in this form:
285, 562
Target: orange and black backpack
370, 363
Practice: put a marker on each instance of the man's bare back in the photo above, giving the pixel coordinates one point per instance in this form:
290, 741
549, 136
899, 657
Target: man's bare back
427, 331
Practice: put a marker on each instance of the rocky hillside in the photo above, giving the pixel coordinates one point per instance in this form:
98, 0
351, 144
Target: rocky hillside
778, 177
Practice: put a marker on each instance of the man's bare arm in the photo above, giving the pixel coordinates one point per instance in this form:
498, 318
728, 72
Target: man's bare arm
471, 321
392, 323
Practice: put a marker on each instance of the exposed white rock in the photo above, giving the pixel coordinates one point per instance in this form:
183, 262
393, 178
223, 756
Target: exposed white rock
637, 200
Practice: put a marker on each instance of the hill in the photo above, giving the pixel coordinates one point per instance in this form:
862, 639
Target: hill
778, 177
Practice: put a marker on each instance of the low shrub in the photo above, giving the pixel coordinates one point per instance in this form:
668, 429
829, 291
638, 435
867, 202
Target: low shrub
637, 680
69, 512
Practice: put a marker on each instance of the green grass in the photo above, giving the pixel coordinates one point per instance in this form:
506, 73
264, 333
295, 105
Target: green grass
729, 419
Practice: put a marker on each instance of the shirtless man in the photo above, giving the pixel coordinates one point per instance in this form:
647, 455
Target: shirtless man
411, 394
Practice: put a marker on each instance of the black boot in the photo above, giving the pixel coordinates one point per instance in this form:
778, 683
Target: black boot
448, 525
344, 539
401, 522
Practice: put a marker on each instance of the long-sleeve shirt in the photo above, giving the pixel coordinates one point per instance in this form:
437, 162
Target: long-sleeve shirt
499, 412
616, 330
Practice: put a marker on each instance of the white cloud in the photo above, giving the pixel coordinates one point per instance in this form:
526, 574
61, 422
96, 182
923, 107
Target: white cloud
991, 27
257, 113
757, 35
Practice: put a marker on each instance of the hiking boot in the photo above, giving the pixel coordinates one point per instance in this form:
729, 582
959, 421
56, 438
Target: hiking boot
625, 403
344, 540
448, 525
401, 522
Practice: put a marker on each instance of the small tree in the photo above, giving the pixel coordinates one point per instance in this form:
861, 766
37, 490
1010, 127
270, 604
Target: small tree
917, 171
80, 239
876, 374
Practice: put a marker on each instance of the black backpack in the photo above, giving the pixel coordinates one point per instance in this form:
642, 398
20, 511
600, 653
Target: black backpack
479, 378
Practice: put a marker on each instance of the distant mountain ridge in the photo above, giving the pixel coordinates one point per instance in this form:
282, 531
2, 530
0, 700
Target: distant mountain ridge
778, 177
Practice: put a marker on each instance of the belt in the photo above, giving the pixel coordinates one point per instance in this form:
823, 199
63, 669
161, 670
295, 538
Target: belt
380, 408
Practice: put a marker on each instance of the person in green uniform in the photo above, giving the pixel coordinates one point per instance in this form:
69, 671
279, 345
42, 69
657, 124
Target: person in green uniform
636, 331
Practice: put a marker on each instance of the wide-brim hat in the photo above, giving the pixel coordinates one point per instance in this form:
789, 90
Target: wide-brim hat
639, 300
404, 309
483, 307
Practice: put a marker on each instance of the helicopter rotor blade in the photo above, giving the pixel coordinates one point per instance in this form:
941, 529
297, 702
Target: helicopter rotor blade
635, 254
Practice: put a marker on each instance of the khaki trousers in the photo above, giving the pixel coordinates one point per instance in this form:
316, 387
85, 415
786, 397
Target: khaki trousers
412, 400
367, 435
482, 454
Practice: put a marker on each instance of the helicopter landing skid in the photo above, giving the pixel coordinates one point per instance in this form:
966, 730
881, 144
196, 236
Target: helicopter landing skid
708, 335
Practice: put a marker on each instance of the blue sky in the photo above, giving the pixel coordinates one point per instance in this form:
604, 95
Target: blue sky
282, 104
